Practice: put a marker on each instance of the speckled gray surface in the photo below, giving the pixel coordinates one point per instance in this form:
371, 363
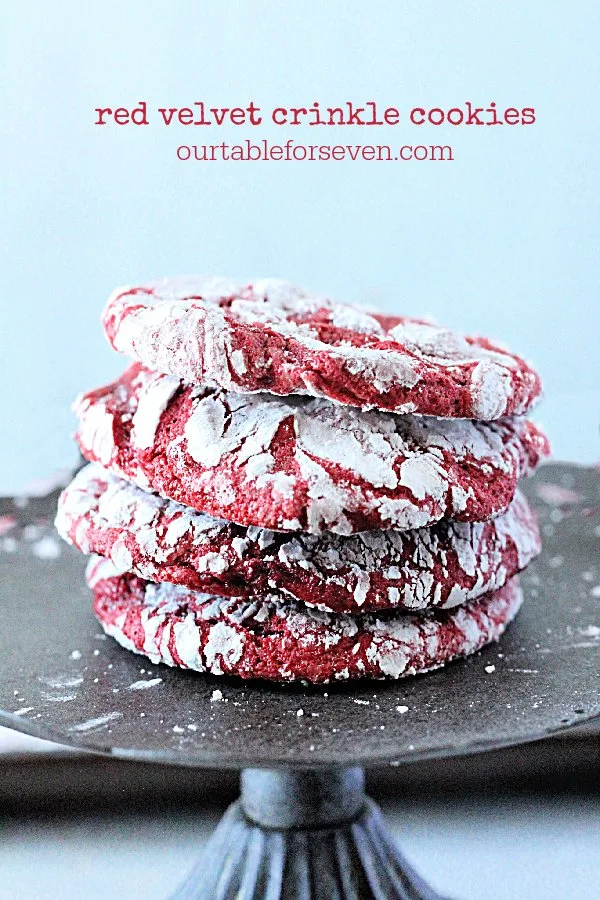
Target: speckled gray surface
61, 678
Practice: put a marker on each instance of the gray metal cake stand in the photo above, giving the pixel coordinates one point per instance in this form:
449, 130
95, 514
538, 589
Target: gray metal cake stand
303, 826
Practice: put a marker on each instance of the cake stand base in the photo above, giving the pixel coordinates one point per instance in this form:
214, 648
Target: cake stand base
301, 834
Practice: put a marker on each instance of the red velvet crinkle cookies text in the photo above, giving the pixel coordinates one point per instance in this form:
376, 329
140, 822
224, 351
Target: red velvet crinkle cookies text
162, 541
285, 641
302, 464
272, 336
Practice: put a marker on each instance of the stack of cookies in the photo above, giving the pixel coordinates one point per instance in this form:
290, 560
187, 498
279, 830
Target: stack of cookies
288, 488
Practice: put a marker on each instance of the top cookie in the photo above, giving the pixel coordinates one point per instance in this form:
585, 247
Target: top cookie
271, 336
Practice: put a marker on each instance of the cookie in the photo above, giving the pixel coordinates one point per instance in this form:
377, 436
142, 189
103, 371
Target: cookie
272, 336
286, 641
162, 541
302, 464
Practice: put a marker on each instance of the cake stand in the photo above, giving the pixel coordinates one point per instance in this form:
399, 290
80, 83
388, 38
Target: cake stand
303, 827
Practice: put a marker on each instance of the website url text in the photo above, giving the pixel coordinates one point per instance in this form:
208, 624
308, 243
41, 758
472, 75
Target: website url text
257, 151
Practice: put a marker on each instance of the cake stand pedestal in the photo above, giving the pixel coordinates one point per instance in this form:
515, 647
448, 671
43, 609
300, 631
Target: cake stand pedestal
303, 827
301, 833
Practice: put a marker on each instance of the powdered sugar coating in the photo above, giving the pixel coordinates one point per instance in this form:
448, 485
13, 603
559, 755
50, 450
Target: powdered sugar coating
285, 641
302, 463
272, 336
162, 541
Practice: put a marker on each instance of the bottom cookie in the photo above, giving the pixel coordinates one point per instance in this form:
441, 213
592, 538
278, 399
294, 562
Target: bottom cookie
283, 640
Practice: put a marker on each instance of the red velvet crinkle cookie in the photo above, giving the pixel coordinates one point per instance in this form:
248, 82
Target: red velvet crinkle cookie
302, 464
272, 336
286, 641
162, 541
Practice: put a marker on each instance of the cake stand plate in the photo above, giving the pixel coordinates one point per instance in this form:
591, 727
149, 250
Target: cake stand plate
303, 827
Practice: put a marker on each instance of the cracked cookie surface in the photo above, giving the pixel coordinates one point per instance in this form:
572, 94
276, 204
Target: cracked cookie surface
162, 541
286, 641
302, 464
272, 336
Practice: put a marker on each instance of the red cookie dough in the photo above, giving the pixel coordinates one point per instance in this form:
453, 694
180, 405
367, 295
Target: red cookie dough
272, 336
162, 541
285, 641
302, 464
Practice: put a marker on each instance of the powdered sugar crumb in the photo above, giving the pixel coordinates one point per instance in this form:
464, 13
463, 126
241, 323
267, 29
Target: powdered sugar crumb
99, 722
46, 548
144, 685
592, 631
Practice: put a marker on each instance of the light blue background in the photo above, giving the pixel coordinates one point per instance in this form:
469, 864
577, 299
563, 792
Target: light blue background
504, 240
